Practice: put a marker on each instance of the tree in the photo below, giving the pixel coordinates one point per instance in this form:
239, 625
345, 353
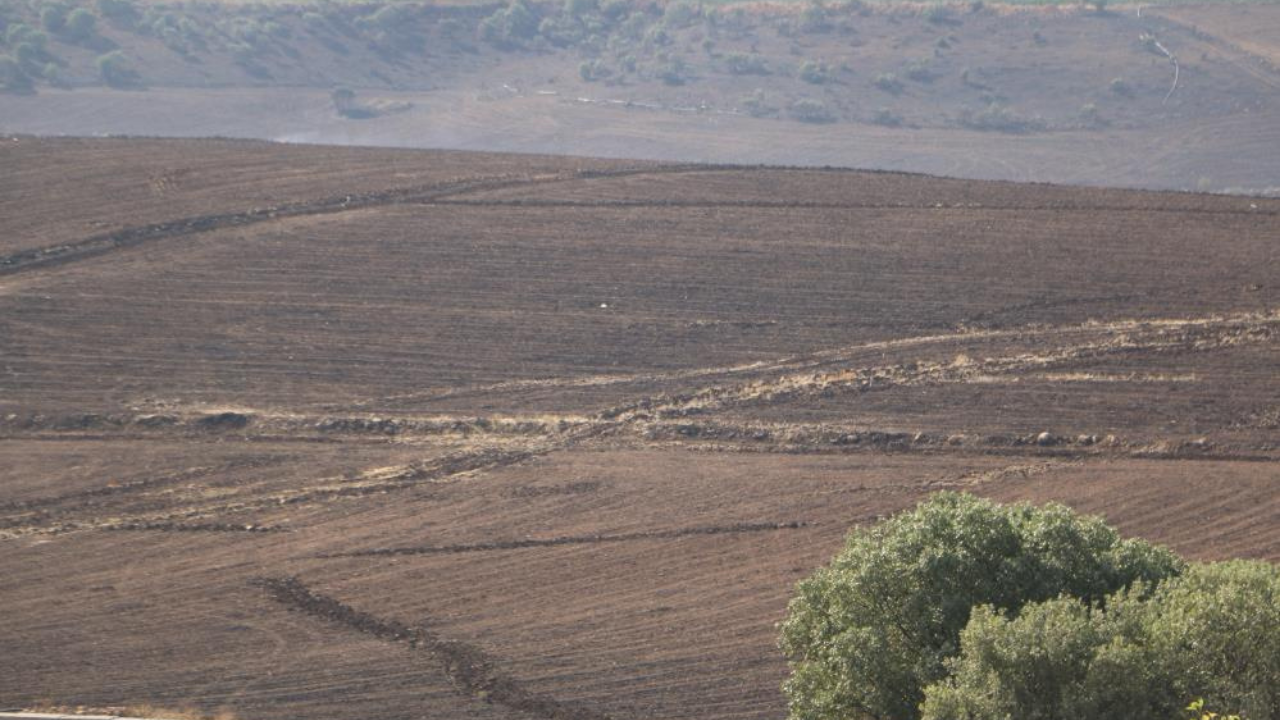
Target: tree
81, 25
115, 70
1211, 634
54, 18
12, 77
868, 633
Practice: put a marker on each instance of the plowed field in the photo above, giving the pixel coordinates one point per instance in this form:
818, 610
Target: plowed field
303, 432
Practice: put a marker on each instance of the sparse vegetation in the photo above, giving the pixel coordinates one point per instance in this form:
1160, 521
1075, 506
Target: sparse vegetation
889, 83
814, 72
756, 105
811, 111
12, 77
116, 71
887, 117
999, 118
744, 64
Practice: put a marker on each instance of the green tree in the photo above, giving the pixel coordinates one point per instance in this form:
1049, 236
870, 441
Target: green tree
114, 69
54, 18
81, 25
12, 77
1211, 634
868, 633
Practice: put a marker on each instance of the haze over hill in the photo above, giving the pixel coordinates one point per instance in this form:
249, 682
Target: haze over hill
1158, 97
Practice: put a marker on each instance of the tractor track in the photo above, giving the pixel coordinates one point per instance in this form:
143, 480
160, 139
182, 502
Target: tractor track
471, 670
601, 539
817, 205
97, 245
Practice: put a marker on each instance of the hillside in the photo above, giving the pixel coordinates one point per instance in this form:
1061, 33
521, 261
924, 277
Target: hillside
298, 431
1177, 97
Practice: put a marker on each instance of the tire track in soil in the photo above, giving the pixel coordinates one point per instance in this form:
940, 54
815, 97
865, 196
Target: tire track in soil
820, 205
375, 483
812, 361
1108, 340
107, 491
97, 245
735, 529
472, 671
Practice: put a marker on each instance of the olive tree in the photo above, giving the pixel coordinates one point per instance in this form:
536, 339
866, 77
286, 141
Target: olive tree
1212, 634
868, 633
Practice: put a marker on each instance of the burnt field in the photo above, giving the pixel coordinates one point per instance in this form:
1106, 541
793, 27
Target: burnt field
292, 431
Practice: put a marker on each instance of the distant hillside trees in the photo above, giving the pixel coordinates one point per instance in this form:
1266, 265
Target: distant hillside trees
12, 77
115, 70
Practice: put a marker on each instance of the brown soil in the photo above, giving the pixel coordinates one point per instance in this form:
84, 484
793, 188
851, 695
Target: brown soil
538, 437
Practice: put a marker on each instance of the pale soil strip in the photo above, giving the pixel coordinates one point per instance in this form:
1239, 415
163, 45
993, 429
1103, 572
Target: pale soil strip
1117, 338
824, 357
1095, 341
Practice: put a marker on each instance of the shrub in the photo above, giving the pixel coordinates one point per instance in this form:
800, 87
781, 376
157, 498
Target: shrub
54, 18
811, 111
114, 69
919, 71
674, 72
867, 634
12, 77
510, 25
756, 105
813, 19
939, 15
580, 8
743, 64
1120, 87
998, 118
815, 73
1212, 633
121, 12
81, 25
593, 70
680, 14
888, 118
889, 83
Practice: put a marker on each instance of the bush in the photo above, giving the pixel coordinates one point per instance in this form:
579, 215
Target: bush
813, 19
510, 25
815, 73
12, 77
121, 12
998, 118
114, 69
889, 83
674, 72
743, 64
811, 111
887, 117
81, 26
866, 635
1213, 633
54, 18
919, 71
756, 105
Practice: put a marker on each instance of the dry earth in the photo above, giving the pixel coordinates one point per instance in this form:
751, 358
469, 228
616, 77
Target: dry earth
295, 431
